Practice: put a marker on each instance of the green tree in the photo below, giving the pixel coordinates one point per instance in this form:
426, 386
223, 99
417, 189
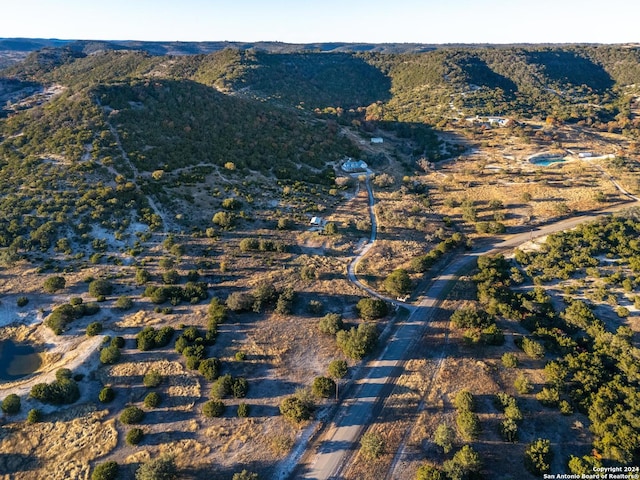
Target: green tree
11, 404
213, 408
159, 468
124, 303
134, 436
53, 284
210, 368
110, 355
323, 387
106, 395
34, 416
243, 410
465, 463
131, 415
93, 329
337, 369
331, 323
151, 379
152, 400
538, 456
295, 409
444, 437
372, 308
398, 283
372, 445
100, 288
105, 471
464, 401
428, 472
358, 342
468, 424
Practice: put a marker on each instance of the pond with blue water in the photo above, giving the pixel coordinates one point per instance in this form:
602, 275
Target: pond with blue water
546, 161
17, 360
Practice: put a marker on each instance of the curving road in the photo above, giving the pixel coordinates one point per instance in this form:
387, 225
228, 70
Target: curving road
335, 443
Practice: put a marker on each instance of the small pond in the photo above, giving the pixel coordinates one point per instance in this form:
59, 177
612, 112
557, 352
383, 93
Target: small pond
17, 360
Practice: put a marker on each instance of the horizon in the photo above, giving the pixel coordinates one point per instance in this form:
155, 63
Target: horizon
496, 22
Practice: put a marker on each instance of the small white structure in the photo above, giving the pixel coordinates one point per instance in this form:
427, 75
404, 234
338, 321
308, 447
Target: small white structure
377, 140
585, 155
316, 222
351, 165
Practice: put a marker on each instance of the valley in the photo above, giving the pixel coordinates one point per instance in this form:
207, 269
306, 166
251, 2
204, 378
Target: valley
178, 237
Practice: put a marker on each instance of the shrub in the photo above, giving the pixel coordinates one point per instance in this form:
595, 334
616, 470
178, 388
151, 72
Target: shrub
249, 244
159, 468
100, 288
398, 283
134, 436
109, 355
532, 348
105, 471
243, 410
222, 386
331, 323
509, 360
372, 445
240, 356
509, 430
152, 379
53, 284
538, 456
170, 277
240, 301
522, 384
371, 308
465, 463
34, 416
245, 475
468, 425
549, 397
106, 395
428, 472
60, 392
217, 313
209, 368
295, 409
464, 401
240, 387
337, 369
124, 303
94, 328
323, 387
444, 437
152, 400
357, 342
213, 408
22, 301
11, 404
131, 415
118, 342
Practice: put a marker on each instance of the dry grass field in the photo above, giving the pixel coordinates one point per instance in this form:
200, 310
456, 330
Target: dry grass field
285, 352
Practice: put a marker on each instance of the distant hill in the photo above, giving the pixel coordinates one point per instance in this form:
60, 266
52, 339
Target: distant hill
116, 113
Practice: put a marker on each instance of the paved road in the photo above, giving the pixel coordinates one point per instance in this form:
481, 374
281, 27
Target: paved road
333, 448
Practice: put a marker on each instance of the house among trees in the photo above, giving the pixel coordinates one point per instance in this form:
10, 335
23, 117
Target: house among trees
377, 140
316, 222
351, 165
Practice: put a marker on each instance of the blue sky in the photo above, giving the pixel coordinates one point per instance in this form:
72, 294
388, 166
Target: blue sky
305, 21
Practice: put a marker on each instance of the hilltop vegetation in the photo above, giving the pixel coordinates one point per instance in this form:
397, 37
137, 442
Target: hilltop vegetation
158, 210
